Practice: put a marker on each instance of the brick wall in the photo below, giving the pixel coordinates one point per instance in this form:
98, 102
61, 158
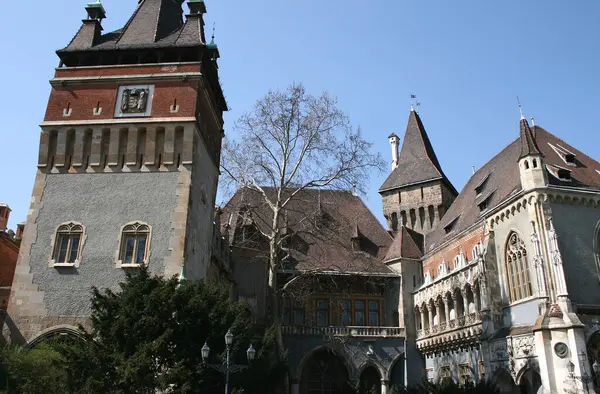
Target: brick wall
9, 252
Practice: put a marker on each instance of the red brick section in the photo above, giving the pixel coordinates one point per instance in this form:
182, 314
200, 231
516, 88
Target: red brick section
83, 98
9, 252
467, 242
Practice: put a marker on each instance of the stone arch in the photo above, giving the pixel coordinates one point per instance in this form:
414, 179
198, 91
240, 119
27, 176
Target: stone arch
397, 365
324, 369
370, 376
53, 333
529, 380
596, 246
504, 382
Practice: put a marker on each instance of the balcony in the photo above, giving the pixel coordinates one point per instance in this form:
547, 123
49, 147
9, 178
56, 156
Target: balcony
346, 331
452, 325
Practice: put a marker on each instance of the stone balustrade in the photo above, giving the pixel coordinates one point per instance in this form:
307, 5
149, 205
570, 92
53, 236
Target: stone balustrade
445, 327
351, 331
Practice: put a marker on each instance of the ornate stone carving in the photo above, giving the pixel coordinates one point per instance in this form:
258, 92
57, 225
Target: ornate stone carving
498, 350
561, 349
134, 100
524, 346
555, 311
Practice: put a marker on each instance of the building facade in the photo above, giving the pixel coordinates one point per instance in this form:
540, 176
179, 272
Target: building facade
128, 165
9, 251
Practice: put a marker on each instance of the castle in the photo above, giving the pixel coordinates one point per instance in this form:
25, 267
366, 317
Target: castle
499, 281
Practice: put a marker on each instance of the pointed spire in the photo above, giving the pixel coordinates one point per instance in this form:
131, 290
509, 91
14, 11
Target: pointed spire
417, 162
528, 144
407, 244
212, 44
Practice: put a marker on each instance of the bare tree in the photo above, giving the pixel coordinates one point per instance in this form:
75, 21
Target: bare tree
290, 142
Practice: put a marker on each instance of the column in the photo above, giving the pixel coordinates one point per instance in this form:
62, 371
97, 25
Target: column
483, 295
430, 316
465, 302
422, 318
384, 386
295, 387
455, 300
446, 309
438, 310
476, 299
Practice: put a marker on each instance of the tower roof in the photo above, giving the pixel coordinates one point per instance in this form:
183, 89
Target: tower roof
417, 162
407, 244
154, 24
527, 140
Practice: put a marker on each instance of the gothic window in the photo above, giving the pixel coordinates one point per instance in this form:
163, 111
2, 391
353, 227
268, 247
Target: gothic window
465, 374
68, 243
517, 269
446, 374
134, 245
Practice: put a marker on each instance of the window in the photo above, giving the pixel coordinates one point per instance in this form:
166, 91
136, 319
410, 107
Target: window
322, 313
446, 374
135, 244
346, 317
450, 227
293, 313
68, 243
477, 251
479, 189
567, 156
465, 374
564, 174
373, 307
517, 269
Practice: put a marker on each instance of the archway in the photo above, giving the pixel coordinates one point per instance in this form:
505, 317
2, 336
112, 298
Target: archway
396, 372
530, 382
505, 383
324, 373
57, 333
370, 381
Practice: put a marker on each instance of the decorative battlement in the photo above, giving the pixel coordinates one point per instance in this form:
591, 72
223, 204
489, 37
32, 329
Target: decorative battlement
379, 332
146, 147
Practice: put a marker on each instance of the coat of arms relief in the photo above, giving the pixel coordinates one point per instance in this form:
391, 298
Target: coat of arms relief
134, 100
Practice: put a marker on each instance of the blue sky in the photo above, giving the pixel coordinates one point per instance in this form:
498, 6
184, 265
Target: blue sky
465, 60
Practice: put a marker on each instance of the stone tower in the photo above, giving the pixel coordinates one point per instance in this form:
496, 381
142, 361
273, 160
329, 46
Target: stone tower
531, 161
416, 193
128, 164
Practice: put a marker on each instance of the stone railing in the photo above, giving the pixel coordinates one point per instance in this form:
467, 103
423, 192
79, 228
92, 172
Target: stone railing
455, 279
352, 331
444, 327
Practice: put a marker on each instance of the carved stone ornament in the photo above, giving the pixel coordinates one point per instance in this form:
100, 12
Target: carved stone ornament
134, 101
555, 311
561, 349
524, 346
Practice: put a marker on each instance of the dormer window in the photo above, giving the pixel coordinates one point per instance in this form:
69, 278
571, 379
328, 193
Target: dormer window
481, 186
450, 227
566, 155
485, 203
564, 175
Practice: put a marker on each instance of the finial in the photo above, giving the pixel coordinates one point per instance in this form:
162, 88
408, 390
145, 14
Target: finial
412, 107
473, 169
520, 109
213, 33
532, 121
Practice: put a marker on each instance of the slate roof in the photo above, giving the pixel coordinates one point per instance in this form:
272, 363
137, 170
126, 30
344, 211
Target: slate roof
417, 162
501, 179
407, 244
154, 24
324, 224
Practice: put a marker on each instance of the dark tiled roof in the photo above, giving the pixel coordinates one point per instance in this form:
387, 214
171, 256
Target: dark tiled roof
407, 244
154, 24
503, 181
417, 162
325, 224
528, 144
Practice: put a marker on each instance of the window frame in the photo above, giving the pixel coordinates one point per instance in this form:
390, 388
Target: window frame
291, 307
121, 244
517, 270
326, 309
69, 229
366, 310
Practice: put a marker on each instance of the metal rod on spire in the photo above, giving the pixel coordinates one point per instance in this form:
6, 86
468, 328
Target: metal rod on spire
412, 97
520, 108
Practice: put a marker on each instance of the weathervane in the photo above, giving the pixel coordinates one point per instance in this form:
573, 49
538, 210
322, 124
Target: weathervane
412, 106
520, 108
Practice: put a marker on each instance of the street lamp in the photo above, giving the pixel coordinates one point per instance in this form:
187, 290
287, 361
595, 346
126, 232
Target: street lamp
584, 378
227, 367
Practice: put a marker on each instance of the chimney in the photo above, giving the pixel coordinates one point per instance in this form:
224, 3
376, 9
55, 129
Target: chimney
88, 34
4, 214
394, 140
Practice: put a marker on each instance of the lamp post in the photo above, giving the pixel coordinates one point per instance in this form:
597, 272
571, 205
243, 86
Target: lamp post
227, 368
584, 378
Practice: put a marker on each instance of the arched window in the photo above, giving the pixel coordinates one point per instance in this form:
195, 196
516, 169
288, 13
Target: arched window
68, 243
134, 245
517, 269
